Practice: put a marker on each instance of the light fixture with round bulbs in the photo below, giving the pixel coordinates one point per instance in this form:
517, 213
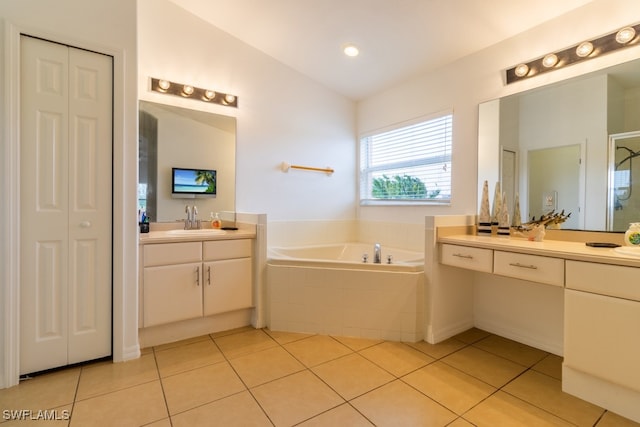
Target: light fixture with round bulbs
584, 49
167, 87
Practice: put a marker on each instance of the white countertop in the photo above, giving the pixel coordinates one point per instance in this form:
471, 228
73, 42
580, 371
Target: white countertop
552, 248
177, 235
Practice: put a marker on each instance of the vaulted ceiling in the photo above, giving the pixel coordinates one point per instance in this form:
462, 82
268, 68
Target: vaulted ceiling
397, 39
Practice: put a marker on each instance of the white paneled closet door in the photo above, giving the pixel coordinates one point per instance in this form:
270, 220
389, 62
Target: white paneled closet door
66, 205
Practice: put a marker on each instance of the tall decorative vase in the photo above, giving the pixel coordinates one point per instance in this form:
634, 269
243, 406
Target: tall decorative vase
517, 216
495, 211
484, 216
503, 218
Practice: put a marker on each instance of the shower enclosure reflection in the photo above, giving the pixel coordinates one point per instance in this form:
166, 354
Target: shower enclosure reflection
624, 202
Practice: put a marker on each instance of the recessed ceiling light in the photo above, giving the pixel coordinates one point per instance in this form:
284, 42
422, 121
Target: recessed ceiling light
351, 50
584, 49
522, 70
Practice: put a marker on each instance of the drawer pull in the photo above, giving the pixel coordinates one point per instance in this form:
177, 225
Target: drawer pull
517, 264
463, 256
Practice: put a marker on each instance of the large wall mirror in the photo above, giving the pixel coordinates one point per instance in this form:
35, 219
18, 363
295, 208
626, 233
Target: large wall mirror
173, 137
553, 147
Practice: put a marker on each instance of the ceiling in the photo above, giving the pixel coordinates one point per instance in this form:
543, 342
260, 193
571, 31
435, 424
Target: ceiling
397, 39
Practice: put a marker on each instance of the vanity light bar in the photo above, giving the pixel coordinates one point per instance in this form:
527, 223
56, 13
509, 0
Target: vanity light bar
192, 92
624, 37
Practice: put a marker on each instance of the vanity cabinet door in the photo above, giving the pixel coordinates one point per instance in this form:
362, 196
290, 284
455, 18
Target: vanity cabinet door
172, 293
601, 337
227, 285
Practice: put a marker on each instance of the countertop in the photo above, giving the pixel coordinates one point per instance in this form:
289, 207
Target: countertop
577, 251
244, 231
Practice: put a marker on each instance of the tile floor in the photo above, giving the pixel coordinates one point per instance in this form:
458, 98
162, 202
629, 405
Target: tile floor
250, 377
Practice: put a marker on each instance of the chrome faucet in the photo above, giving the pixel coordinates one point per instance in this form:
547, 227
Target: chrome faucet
192, 218
377, 256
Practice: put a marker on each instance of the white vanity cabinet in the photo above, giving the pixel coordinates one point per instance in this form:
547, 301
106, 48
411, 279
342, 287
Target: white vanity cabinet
602, 350
187, 280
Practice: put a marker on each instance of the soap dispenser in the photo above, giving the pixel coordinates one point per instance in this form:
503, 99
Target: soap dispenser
215, 221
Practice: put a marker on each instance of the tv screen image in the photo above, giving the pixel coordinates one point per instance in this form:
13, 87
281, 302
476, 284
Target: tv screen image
193, 181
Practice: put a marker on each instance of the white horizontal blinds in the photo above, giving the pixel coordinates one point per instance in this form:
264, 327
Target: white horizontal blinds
408, 163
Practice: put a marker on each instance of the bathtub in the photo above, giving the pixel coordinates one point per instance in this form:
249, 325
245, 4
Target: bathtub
347, 255
327, 289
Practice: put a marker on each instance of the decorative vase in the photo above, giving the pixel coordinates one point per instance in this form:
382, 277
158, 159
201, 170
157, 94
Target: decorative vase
495, 211
484, 217
517, 216
632, 235
503, 217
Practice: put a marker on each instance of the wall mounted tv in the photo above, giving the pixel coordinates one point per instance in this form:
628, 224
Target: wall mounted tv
193, 182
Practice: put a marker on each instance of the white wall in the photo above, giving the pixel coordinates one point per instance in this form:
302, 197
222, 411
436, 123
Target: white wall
461, 86
108, 27
282, 115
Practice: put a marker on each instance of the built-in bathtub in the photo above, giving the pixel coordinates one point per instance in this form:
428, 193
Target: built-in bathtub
328, 289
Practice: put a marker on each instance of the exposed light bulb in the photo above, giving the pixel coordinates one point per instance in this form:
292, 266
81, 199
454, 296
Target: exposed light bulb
625, 35
521, 70
584, 49
351, 50
164, 84
229, 99
209, 95
550, 60
187, 90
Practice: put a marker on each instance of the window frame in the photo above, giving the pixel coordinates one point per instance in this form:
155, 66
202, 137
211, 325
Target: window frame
370, 201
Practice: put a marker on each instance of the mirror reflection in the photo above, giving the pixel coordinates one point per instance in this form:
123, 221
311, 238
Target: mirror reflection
551, 145
173, 137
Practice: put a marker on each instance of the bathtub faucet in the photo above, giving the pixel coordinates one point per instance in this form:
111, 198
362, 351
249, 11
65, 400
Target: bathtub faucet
377, 256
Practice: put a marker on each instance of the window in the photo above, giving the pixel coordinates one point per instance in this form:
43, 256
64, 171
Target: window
409, 163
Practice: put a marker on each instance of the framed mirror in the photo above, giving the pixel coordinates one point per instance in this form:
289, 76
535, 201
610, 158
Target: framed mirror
172, 137
550, 145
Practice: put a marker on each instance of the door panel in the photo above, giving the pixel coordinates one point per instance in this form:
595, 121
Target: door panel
66, 204
90, 201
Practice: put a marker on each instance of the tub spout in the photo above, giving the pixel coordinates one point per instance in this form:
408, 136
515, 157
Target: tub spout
377, 256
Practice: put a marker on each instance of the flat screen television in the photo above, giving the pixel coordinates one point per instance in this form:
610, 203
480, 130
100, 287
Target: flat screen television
193, 182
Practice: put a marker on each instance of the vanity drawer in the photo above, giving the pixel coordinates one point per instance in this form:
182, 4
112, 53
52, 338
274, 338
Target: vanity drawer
534, 268
226, 249
172, 253
466, 257
611, 280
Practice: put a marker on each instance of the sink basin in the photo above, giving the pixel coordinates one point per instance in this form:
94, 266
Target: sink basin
199, 232
628, 250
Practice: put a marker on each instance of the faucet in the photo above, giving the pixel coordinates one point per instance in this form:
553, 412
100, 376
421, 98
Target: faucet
377, 256
187, 221
192, 218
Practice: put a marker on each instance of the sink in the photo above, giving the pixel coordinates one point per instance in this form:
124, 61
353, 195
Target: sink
628, 250
194, 232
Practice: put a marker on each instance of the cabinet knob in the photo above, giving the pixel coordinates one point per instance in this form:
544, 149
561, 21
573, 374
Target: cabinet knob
85, 224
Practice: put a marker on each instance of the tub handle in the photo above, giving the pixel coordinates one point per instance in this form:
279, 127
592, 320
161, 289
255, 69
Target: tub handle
365, 257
